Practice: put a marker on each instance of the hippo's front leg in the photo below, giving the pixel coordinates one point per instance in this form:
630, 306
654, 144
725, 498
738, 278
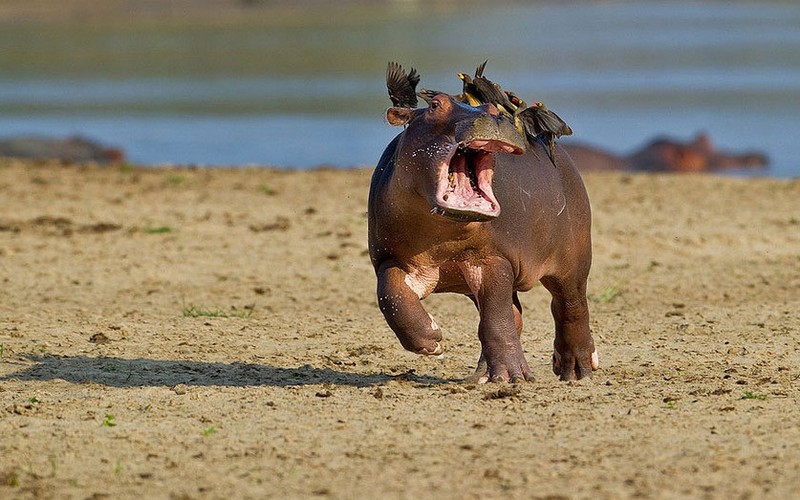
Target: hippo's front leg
401, 306
498, 330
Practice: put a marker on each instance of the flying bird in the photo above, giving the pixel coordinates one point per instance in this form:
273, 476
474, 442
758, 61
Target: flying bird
402, 87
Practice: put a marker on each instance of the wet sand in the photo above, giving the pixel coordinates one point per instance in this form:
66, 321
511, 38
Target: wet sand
185, 333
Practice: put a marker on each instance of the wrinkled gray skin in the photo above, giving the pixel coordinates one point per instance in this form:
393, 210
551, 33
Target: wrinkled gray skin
428, 235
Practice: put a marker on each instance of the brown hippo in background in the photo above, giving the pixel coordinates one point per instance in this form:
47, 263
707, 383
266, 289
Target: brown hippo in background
72, 149
667, 155
460, 202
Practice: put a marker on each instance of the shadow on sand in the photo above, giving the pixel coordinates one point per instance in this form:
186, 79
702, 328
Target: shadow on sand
119, 372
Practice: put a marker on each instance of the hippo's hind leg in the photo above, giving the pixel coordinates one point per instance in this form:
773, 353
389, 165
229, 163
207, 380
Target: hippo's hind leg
481, 374
574, 354
401, 306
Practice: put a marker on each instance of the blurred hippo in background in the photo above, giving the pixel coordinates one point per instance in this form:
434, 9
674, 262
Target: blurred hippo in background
665, 154
74, 149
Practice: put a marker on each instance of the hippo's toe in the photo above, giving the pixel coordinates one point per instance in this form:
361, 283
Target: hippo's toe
515, 370
503, 374
436, 350
572, 367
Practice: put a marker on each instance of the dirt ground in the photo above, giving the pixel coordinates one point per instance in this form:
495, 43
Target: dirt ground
186, 333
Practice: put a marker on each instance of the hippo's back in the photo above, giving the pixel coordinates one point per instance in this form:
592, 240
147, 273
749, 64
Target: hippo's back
545, 218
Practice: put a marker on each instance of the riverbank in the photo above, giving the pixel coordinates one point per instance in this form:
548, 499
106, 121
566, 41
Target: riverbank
177, 332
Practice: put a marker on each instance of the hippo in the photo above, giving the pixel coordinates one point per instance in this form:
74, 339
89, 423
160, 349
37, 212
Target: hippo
459, 202
74, 149
664, 154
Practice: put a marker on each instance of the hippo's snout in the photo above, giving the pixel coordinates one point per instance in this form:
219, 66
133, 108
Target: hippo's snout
464, 179
490, 130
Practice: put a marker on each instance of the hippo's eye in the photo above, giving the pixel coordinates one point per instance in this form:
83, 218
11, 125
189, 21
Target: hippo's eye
435, 104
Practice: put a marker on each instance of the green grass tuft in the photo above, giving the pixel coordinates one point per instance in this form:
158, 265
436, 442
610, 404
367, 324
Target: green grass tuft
109, 420
175, 179
157, 229
610, 294
9, 479
754, 395
202, 312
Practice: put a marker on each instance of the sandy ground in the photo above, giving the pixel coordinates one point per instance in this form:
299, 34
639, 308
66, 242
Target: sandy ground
179, 333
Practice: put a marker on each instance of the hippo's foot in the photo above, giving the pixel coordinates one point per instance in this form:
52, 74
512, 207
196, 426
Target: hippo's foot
400, 304
435, 350
569, 366
514, 371
481, 375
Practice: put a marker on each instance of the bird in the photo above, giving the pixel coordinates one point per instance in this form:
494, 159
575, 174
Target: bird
479, 90
538, 121
402, 87
489, 92
535, 123
481, 67
516, 101
469, 93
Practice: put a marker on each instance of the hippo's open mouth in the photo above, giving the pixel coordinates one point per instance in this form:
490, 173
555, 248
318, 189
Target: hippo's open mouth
464, 187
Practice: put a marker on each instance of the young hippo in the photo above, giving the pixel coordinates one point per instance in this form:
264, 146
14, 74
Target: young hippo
459, 202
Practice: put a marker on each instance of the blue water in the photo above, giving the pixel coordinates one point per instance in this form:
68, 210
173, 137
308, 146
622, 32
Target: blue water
618, 72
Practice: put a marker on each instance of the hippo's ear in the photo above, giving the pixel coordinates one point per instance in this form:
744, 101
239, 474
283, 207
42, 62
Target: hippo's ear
399, 116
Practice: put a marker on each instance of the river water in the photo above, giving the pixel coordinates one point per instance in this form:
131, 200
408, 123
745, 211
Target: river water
303, 94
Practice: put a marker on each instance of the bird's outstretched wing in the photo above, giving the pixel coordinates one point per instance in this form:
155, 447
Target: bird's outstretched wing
540, 120
480, 68
402, 87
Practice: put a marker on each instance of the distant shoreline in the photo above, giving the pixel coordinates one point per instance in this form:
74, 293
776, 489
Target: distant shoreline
207, 12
